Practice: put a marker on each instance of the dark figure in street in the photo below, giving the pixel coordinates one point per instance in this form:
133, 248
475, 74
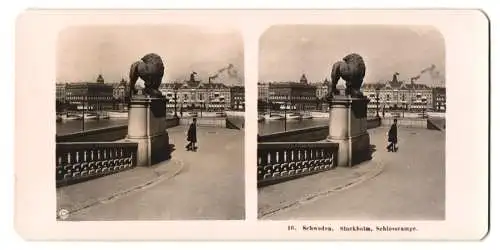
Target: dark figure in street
393, 137
191, 136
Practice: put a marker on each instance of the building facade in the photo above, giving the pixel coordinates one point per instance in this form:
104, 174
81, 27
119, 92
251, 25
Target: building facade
411, 97
120, 90
61, 92
237, 94
292, 96
90, 96
398, 95
321, 89
196, 95
263, 91
439, 99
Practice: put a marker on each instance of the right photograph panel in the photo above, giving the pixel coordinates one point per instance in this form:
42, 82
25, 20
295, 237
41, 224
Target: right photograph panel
351, 123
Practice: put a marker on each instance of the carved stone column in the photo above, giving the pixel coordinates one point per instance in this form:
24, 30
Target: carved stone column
147, 126
347, 127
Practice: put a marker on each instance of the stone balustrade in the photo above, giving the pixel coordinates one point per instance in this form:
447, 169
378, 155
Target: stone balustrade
80, 161
281, 161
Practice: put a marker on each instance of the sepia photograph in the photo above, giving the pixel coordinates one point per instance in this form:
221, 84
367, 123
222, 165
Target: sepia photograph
351, 123
138, 112
357, 125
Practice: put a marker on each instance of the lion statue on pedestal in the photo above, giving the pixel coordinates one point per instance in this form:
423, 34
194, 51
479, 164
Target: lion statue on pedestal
352, 70
150, 69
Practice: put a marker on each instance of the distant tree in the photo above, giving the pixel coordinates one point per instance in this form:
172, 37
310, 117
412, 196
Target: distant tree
59, 106
261, 105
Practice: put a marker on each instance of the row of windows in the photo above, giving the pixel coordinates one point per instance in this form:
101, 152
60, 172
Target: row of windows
403, 98
194, 92
199, 100
89, 98
293, 97
194, 97
397, 101
399, 93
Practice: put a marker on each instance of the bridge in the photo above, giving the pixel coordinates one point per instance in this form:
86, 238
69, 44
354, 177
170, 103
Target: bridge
188, 186
406, 185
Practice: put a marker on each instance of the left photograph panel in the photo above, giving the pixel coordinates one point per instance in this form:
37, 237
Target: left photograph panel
150, 123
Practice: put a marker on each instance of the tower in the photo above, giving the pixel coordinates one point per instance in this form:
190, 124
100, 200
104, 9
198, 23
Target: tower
303, 79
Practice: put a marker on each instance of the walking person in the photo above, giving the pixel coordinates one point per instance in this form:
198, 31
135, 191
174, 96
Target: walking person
393, 137
191, 136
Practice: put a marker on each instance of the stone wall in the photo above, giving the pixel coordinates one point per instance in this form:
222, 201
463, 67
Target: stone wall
235, 113
436, 124
219, 122
406, 122
308, 134
297, 135
104, 134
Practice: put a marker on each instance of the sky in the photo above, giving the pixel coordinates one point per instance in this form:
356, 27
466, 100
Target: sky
286, 52
86, 51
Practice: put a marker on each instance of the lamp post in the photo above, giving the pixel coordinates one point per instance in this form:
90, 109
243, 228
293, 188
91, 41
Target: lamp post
286, 107
84, 98
424, 103
201, 108
377, 98
286, 103
175, 103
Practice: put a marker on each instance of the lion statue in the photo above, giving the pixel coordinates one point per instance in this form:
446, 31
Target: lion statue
150, 69
352, 70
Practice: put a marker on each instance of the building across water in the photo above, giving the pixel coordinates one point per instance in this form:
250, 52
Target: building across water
398, 95
196, 95
91, 96
295, 96
191, 94
237, 94
439, 99
391, 95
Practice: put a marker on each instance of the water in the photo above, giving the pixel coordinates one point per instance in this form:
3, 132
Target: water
268, 127
73, 126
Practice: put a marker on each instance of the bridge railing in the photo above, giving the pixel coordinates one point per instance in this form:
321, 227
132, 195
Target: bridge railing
282, 161
79, 161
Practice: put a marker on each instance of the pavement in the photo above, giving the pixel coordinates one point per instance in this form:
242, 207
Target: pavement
208, 184
276, 198
74, 198
406, 185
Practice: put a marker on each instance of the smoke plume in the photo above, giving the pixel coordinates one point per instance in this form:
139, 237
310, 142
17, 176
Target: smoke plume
230, 70
432, 72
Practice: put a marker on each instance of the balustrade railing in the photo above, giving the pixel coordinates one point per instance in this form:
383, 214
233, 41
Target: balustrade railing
78, 161
280, 161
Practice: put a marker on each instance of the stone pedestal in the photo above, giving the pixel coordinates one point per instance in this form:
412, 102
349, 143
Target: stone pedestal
347, 127
147, 126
